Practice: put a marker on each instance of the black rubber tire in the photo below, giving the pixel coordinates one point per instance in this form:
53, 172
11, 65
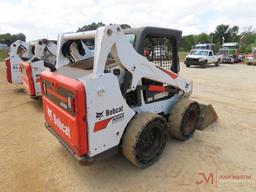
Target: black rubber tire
217, 64
145, 139
205, 64
187, 65
183, 119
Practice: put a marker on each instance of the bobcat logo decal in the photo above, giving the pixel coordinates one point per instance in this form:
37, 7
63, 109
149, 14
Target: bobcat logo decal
99, 114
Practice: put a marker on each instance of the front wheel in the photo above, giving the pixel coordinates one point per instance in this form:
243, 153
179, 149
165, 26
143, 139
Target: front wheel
217, 63
145, 139
183, 119
204, 64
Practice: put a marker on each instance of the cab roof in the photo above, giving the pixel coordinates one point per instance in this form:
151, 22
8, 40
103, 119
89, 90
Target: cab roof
155, 31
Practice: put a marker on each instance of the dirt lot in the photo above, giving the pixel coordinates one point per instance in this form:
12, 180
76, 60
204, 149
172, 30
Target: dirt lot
220, 158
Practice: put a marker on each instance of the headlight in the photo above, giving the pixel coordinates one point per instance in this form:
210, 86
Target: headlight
201, 59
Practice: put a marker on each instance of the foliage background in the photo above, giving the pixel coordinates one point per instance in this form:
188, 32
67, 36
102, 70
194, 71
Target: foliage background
246, 38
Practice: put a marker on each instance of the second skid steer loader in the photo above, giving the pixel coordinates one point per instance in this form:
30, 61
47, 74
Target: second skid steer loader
44, 57
126, 94
19, 50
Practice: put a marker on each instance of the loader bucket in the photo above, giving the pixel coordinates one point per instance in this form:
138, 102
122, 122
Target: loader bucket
207, 116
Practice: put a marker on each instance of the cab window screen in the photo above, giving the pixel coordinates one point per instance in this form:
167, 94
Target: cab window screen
159, 50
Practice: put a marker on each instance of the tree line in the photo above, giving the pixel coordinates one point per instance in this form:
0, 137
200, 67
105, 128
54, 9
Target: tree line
8, 38
222, 33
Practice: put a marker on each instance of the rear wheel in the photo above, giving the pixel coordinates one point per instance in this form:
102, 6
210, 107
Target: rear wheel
144, 139
183, 119
187, 65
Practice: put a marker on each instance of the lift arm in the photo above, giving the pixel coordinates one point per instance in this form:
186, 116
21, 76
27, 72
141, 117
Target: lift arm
111, 39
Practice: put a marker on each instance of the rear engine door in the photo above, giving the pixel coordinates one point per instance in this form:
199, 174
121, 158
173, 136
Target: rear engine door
65, 110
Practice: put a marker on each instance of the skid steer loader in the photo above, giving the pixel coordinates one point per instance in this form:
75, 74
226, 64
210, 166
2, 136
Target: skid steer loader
19, 50
125, 94
44, 57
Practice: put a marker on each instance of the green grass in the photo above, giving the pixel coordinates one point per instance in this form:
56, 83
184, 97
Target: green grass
182, 55
3, 55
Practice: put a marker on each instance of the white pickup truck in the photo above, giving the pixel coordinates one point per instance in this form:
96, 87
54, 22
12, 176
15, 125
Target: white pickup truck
202, 57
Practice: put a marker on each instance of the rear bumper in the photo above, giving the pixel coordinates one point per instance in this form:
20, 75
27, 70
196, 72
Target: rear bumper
82, 158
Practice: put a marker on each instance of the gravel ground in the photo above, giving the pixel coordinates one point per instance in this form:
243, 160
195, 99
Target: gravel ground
220, 158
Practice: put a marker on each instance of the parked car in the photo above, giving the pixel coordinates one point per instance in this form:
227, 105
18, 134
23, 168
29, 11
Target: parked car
202, 58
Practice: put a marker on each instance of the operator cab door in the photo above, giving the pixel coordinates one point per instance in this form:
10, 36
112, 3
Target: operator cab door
159, 46
161, 51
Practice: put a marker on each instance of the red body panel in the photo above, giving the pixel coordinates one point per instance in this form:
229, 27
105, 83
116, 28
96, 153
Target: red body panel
75, 132
156, 88
8, 70
101, 124
27, 78
170, 73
